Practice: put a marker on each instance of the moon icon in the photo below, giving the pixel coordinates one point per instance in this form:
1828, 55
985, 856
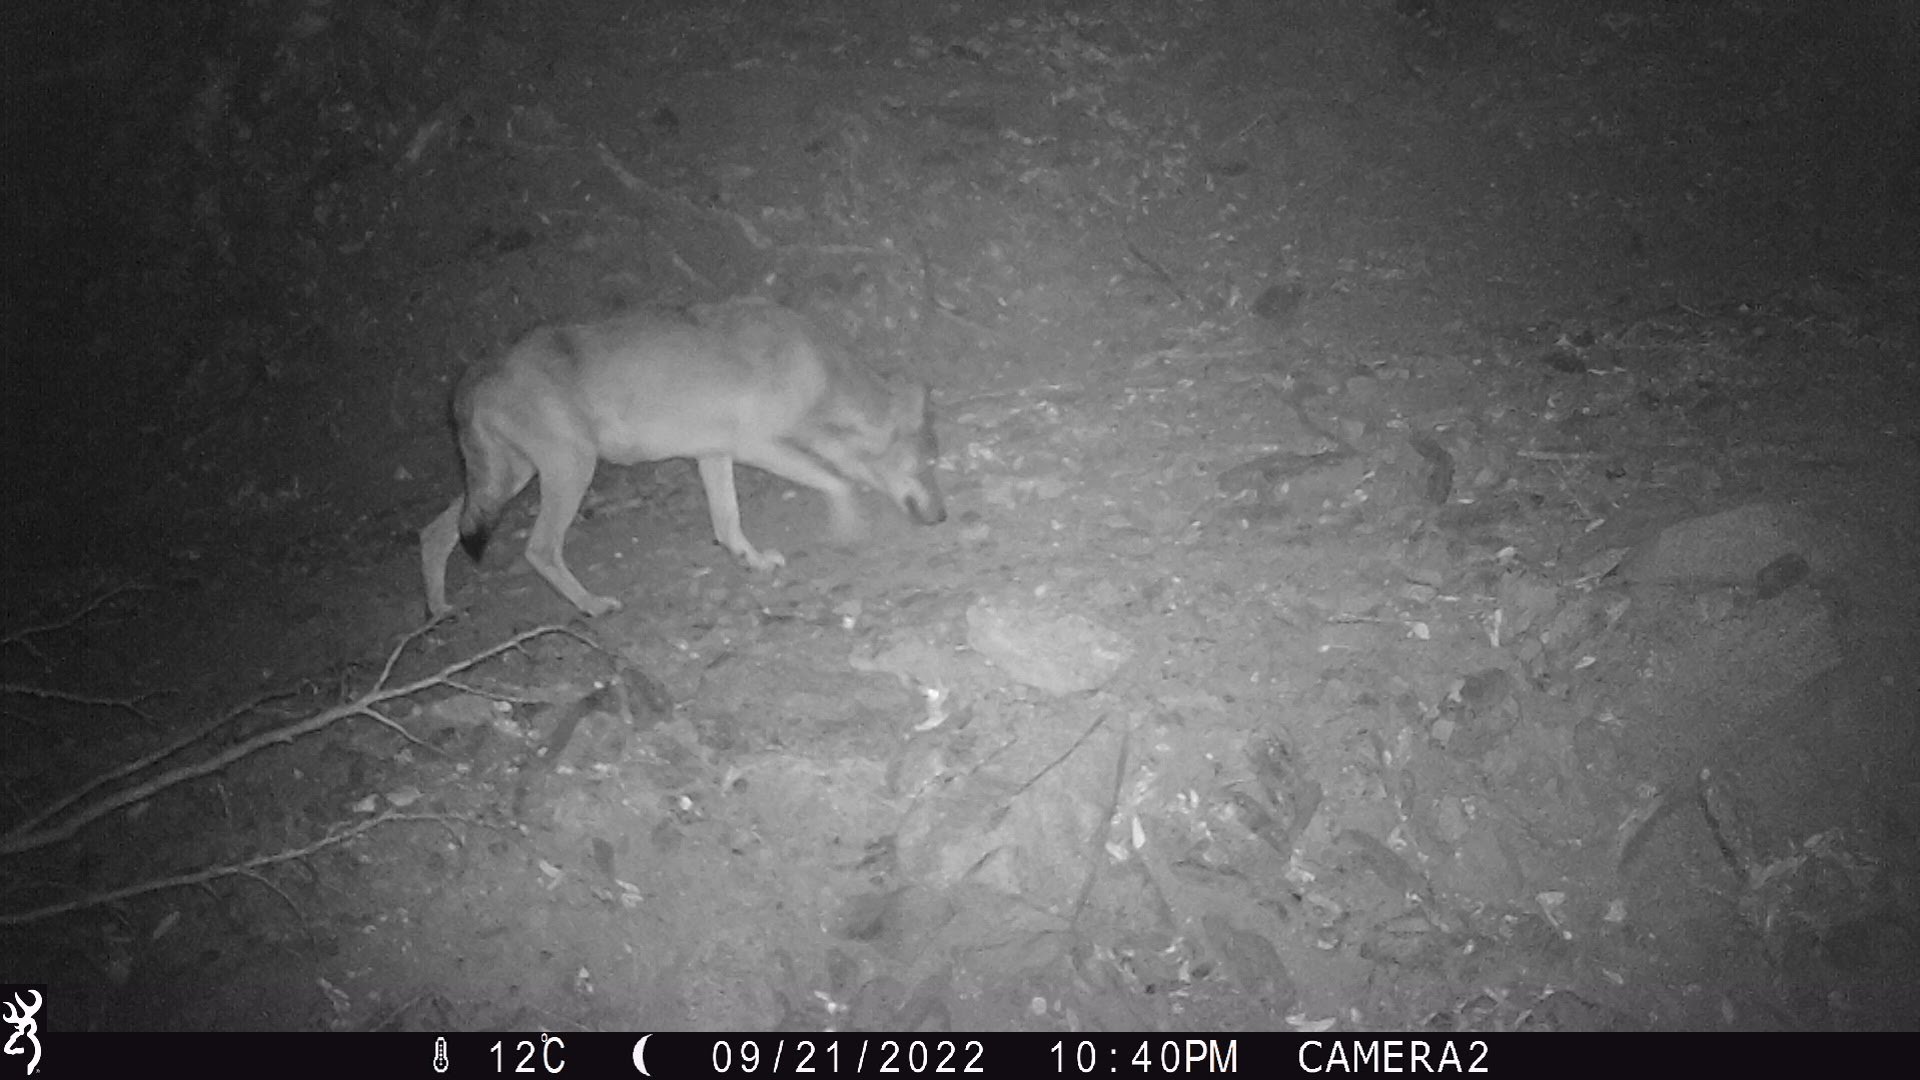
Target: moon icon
640, 1054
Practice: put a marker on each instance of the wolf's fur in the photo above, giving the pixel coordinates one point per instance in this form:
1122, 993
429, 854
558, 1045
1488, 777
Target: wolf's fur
744, 381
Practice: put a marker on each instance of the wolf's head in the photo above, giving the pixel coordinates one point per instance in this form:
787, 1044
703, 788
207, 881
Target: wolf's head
904, 467
887, 445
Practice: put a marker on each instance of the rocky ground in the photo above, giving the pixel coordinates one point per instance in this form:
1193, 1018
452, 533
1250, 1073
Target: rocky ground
1433, 496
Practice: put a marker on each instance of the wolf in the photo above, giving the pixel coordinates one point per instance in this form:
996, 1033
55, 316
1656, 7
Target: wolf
741, 382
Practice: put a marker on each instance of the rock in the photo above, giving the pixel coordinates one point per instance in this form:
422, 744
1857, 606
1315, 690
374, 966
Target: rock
1058, 654
1728, 548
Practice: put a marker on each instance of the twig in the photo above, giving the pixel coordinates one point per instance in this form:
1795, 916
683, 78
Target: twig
496, 695
1159, 272
617, 218
1558, 455
411, 636
940, 308
681, 265
130, 704
313, 940
393, 1015
210, 874
641, 187
1078, 742
1243, 132
1097, 840
22, 635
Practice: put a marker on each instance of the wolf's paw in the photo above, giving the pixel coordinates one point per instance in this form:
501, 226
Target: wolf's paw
595, 606
763, 561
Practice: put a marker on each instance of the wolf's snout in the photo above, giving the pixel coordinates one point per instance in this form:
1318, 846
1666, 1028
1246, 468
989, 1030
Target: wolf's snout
926, 507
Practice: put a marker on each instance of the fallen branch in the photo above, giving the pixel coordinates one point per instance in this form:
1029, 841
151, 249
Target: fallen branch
31, 836
165, 751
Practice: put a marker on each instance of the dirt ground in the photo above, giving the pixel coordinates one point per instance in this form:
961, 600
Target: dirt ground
1434, 492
